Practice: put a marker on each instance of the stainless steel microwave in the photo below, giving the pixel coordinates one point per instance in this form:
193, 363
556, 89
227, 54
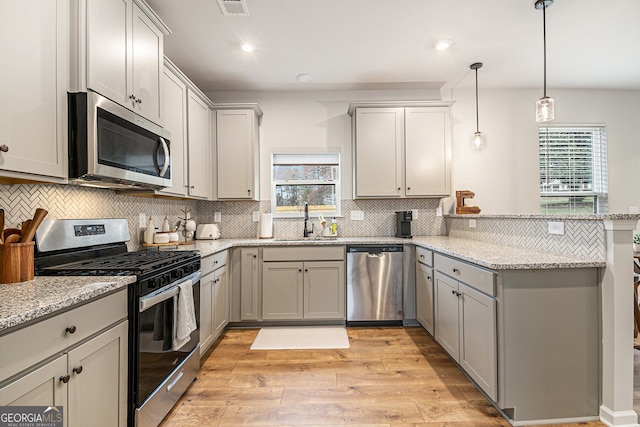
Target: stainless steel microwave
111, 146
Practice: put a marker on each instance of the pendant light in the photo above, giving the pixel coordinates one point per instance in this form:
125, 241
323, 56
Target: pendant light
545, 105
477, 143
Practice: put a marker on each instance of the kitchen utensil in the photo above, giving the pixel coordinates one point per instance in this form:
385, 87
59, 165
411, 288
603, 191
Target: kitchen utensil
25, 225
10, 231
13, 238
28, 234
175, 228
207, 232
1, 226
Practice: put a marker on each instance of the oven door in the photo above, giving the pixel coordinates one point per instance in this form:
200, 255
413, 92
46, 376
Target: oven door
157, 355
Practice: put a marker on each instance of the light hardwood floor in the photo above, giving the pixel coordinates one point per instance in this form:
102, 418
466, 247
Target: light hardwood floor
389, 377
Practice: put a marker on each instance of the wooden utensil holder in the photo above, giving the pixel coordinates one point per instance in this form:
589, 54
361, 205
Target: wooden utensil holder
16, 262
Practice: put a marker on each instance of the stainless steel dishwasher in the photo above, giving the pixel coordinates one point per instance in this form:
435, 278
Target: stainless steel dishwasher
374, 284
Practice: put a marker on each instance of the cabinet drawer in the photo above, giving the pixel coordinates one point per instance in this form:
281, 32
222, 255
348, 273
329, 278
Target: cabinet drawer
211, 262
303, 253
483, 280
424, 256
41, 340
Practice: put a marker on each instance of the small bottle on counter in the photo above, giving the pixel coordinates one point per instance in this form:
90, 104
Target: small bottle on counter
149, 232
165, 225
334, 227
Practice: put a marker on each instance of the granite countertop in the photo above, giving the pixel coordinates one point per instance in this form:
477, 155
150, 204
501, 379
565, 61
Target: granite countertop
23, 302
488, 255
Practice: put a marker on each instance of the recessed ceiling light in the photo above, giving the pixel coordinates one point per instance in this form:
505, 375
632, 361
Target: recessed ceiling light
303, 78
443, 44
247, 47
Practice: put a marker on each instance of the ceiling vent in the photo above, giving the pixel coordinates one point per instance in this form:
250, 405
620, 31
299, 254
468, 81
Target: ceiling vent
233, 7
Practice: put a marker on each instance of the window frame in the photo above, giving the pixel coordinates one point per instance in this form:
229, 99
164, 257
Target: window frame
598, 147
336, 183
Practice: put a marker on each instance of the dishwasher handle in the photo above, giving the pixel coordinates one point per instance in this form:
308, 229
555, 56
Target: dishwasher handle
374, 249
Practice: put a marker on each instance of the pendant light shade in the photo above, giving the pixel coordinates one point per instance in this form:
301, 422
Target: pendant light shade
477, 143
545, 107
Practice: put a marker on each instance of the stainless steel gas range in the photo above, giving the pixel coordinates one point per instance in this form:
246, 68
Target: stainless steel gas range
161, 365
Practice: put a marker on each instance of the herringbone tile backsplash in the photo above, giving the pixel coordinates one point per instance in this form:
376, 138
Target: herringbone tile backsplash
582, 237
70, 202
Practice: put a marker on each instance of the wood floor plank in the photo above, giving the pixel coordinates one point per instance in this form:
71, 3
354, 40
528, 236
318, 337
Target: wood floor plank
389, 377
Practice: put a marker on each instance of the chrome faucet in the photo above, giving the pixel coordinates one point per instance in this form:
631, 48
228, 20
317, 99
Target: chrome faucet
306, 232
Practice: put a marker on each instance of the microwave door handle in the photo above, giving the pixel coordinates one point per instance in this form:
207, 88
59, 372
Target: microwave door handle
167, 160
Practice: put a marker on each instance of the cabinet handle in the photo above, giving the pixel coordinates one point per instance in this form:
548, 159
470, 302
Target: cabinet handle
399, 188
248, 191
422, 256
192, 186
255, 256
215, 262
65, 378
299, 270
428, 277
455, 270
132, 96
71, 329
306, 270
453, 292
77, 370
139, 101
408, 188
4, 148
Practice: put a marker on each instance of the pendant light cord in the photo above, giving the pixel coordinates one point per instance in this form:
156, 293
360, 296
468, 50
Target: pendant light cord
477, 114
544, 44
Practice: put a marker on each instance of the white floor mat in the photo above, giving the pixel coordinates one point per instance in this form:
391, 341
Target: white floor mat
293, 338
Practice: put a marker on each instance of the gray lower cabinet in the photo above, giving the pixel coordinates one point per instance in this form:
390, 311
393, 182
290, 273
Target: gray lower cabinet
84, 371
465, 320
303, 283
214, 299
303, 290
249, 283
424, 289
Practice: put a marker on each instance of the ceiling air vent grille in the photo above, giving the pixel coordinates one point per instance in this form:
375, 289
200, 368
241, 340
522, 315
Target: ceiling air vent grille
234, 7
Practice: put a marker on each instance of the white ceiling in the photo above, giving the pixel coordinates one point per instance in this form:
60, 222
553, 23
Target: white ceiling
389, 44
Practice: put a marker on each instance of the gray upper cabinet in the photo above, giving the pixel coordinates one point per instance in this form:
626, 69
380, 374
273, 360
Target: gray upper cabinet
124, 53
34, 80
401, 151
238, 152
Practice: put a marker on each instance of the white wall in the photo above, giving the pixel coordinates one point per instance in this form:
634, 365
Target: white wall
504, 176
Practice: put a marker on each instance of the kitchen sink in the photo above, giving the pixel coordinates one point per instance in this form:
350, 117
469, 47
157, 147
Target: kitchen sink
305, 239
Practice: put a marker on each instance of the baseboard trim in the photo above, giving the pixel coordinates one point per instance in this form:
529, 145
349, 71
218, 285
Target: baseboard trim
618, 419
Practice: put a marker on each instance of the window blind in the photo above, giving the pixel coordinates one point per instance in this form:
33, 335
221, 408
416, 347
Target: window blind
573, 163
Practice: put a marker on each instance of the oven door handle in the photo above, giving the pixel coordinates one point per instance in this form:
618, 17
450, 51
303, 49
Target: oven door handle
165, 293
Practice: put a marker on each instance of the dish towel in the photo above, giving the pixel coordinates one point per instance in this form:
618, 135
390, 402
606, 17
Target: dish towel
184, 314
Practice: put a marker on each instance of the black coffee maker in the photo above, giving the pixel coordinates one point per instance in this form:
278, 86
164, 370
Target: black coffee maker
403, 224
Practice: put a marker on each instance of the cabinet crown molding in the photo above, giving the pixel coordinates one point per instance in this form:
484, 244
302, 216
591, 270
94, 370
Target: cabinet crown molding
396, 104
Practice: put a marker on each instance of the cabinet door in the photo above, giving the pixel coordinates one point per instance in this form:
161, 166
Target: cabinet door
249, 276
478, 345
206, 311
146, 59
379, 139
173, 117
424, 296
34, 80
199, 143
98, 385
237, 154
282, 289
427, 149
324, 290
221, 301
41, 387
446, 315
109, 48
